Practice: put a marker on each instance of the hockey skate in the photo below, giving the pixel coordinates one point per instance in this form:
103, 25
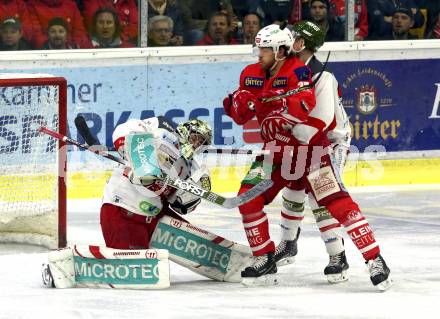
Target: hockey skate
336, 270
47, 277
261, 272
379, 273
286, 251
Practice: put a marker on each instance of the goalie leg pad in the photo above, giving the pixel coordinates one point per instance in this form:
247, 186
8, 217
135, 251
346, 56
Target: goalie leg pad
201, 251
102, 267
59, 271
117, 268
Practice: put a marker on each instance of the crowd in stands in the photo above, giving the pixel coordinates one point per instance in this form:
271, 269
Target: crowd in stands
70, 24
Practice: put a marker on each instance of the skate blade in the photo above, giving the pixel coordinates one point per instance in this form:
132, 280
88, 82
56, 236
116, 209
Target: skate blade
46, 276
265, 280
385, 285
286, 261
337, 278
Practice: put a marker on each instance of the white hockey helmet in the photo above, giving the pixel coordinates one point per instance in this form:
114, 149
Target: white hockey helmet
274, 37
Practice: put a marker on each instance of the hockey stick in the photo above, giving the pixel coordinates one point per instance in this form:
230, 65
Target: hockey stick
176, 183
84, 131
92, 149
297, 90
235, 151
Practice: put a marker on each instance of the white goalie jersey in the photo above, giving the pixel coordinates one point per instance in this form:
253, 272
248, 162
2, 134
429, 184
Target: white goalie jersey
148, 200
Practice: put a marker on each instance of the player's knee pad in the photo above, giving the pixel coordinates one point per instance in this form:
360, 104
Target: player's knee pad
293, 195
293, 200
341, 208
252, 206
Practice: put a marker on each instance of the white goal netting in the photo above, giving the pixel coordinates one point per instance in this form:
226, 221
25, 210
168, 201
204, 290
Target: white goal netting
32, 197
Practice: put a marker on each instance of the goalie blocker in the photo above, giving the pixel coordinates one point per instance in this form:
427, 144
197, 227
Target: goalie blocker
100, 267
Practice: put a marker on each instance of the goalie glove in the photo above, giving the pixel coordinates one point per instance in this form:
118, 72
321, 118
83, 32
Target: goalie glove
184, 208
184, 202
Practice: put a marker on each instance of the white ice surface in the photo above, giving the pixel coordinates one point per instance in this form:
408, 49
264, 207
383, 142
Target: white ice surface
407, 227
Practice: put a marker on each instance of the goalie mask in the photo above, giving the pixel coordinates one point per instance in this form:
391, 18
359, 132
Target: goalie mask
194, 136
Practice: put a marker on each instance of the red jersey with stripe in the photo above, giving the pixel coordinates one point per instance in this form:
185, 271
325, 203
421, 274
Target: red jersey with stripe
292, 75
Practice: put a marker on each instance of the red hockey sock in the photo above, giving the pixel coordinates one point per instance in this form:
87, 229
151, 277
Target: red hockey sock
347, 212
257, 233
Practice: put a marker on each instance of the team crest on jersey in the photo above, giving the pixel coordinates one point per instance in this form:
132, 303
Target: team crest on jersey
302, 73
280, 82
254, 82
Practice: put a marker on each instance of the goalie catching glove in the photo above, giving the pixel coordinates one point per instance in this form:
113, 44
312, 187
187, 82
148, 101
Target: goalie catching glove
183, 202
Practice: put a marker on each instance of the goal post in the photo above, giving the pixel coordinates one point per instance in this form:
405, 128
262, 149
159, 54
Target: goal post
32, 165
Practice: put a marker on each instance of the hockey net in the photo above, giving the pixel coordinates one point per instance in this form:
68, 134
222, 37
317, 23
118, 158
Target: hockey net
32, 165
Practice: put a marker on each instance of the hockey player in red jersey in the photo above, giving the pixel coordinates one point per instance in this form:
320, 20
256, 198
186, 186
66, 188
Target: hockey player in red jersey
311, 161
277, 72
330, 112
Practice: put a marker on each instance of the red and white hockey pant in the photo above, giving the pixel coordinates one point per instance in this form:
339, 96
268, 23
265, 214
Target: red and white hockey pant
326, 186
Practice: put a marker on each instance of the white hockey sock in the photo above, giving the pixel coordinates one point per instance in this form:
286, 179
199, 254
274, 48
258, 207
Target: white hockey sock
292, 214
331, 232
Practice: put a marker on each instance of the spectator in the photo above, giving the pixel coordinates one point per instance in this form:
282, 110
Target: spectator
107, 30
11, 36
127, 12
168, 8
17, 9
160, 31
319, 14
275, 11
203, 9
432, 8
402, 20
435, 32
42, 11
361, 17
57, 32
299, 11
243, 7
251, 25
380, 16
191, 33
218, 31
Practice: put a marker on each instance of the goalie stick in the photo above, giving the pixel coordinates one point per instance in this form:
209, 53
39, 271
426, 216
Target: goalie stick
84, 131
177, 183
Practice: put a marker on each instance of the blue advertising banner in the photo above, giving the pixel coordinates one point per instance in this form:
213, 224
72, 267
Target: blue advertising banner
390, 103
